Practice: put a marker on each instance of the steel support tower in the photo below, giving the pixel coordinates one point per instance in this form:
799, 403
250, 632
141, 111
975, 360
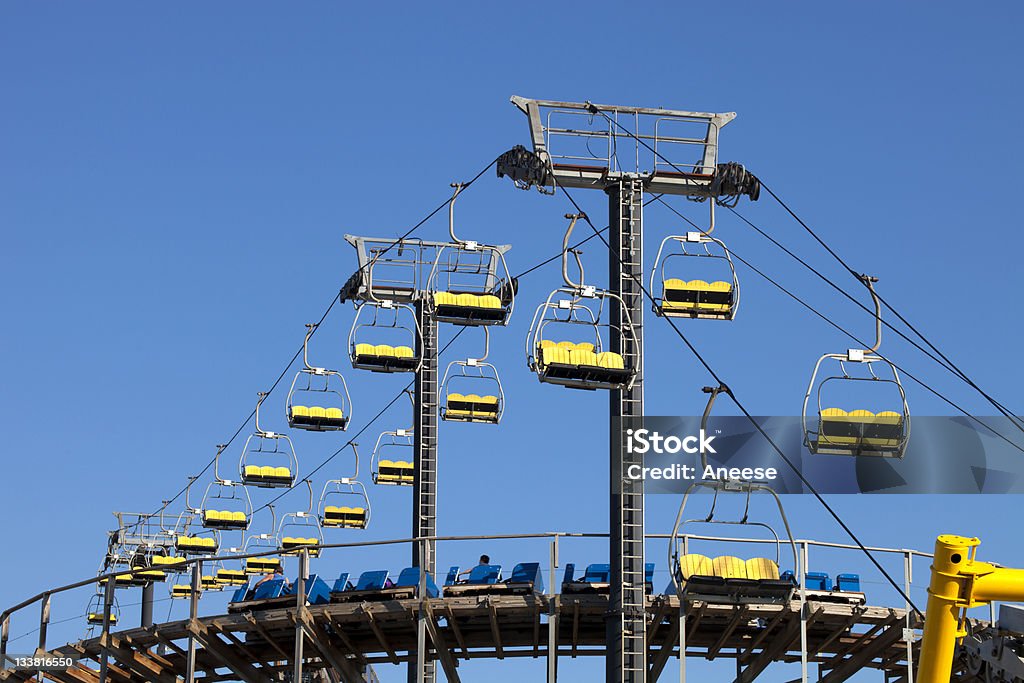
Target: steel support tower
424, 509
626, 633
623, 151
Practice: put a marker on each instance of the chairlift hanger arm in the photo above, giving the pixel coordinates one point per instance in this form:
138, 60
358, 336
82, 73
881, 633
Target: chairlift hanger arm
713, 393
573, 217
869, 282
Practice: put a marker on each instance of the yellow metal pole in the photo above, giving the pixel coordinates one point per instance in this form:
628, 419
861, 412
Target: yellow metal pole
945, 600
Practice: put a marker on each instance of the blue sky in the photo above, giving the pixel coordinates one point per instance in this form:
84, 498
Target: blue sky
175, 183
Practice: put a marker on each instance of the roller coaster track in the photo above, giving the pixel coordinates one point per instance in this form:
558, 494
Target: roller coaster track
343, 640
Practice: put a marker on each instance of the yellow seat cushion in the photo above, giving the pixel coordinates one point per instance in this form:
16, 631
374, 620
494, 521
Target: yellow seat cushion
317, 411
333, 414
466, 300
762, 568
610, 359
300, 411
729, 567
695, 565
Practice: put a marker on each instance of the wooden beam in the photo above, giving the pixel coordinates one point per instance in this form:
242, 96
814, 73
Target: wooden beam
495, 630
216, 647
136, 660
770, 653
322, 642
748, 653
738, 615
444, 654
339, 631
661, 657
863, 655
367, 610
454, 624
267, 637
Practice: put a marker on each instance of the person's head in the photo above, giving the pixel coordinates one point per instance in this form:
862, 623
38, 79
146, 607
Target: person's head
484, 559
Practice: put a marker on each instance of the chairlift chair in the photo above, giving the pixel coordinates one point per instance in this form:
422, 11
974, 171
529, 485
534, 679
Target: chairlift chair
577, 309
392, 470
94, 611
384, 315
757, 579
484, 407
837, 431
343, 502
268, 458
226, 506
301, 530
326, 393
344, 516
681, 295
469, 282
262, 542
187, 542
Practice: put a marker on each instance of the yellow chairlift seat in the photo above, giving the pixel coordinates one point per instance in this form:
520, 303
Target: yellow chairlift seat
262, 565
181, 590
170, 562
317, 416
155, 574
729, 567
731, 577
761, 568
471, 408
469, 308
297, 542
96, 618
196, 544
695, 565
578, 365
398, 472
208, 582
128, 580
267, 476
231, 577
385, 358
697, 298
345, 517
225, 519
859, 431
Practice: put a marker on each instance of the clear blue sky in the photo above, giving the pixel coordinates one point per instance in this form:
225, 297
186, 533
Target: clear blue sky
175, 183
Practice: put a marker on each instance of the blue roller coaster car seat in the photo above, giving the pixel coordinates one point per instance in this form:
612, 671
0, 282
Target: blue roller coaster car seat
528, 573
453, 575
410, 578
274, 588
848, 582
317, 590
342, 583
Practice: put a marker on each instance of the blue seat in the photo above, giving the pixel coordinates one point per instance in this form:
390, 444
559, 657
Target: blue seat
240, 593
274, 588
649, 575
342, 584
598, 573
484, 575
453, 575
848, 582
372, 580
528, 573
410, 578
818, 581
317, 590
570, 573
